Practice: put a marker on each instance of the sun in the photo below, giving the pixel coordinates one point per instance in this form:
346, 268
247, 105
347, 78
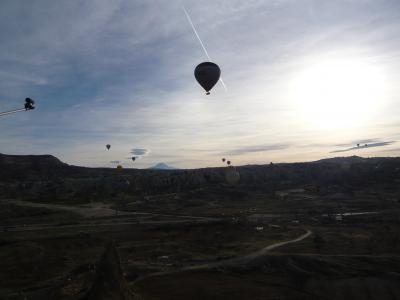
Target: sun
338, 93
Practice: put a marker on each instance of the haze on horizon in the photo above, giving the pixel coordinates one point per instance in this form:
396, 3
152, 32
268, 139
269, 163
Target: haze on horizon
305, 80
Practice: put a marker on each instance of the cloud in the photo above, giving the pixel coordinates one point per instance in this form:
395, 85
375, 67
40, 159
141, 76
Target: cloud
140, 151
379, 144
352, 143
254, 149
122, 73
393, 150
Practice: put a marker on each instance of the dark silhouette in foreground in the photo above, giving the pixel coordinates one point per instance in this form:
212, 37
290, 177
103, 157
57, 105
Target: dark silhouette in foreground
109, 282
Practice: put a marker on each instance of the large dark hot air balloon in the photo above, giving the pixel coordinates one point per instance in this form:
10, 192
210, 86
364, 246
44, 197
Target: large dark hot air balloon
133, 158
207, 75
228, 162
108, 146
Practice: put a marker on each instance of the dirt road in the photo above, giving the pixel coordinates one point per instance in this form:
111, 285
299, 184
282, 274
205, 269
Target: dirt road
248, 257
95, 209
233, 261
98, 210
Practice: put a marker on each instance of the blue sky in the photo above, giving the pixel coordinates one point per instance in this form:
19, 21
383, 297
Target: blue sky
121, 72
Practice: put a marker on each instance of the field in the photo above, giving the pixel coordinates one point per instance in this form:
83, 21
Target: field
211, 242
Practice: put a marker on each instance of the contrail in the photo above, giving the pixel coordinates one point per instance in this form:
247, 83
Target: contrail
195, 32
201, 42
11, 112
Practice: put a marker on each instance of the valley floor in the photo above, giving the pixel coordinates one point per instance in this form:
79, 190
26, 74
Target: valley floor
258, 251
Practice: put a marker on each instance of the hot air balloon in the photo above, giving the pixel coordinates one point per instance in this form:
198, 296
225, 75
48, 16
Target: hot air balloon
207, 75
223, 160
133, 158
108, 146
119, 167
358, 145
228, 162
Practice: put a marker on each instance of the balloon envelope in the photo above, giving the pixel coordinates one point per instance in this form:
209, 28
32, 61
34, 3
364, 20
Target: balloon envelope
108, 146
223, 160
133, 158
207, 75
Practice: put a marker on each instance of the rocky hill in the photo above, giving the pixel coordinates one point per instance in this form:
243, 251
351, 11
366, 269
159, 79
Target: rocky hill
48, 179
32, 163
109, 283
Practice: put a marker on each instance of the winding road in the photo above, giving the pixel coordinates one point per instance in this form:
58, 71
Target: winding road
101, 210
248, 257
233, 261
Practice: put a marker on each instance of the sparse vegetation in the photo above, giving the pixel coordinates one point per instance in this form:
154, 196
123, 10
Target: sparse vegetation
171, 221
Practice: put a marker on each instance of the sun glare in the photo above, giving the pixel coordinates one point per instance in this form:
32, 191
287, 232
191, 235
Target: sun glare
340, 93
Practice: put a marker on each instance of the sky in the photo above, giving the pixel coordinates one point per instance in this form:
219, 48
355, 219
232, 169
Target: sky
304, 80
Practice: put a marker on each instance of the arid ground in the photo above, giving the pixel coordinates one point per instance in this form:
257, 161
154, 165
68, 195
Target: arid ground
322, 230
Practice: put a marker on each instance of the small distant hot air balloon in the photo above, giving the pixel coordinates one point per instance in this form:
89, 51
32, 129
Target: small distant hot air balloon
358, 145
108, 146
207, 75
228, 162
133, 158
366, 145
223, 160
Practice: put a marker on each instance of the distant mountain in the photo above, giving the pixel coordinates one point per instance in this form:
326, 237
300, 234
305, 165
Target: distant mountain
162, 166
